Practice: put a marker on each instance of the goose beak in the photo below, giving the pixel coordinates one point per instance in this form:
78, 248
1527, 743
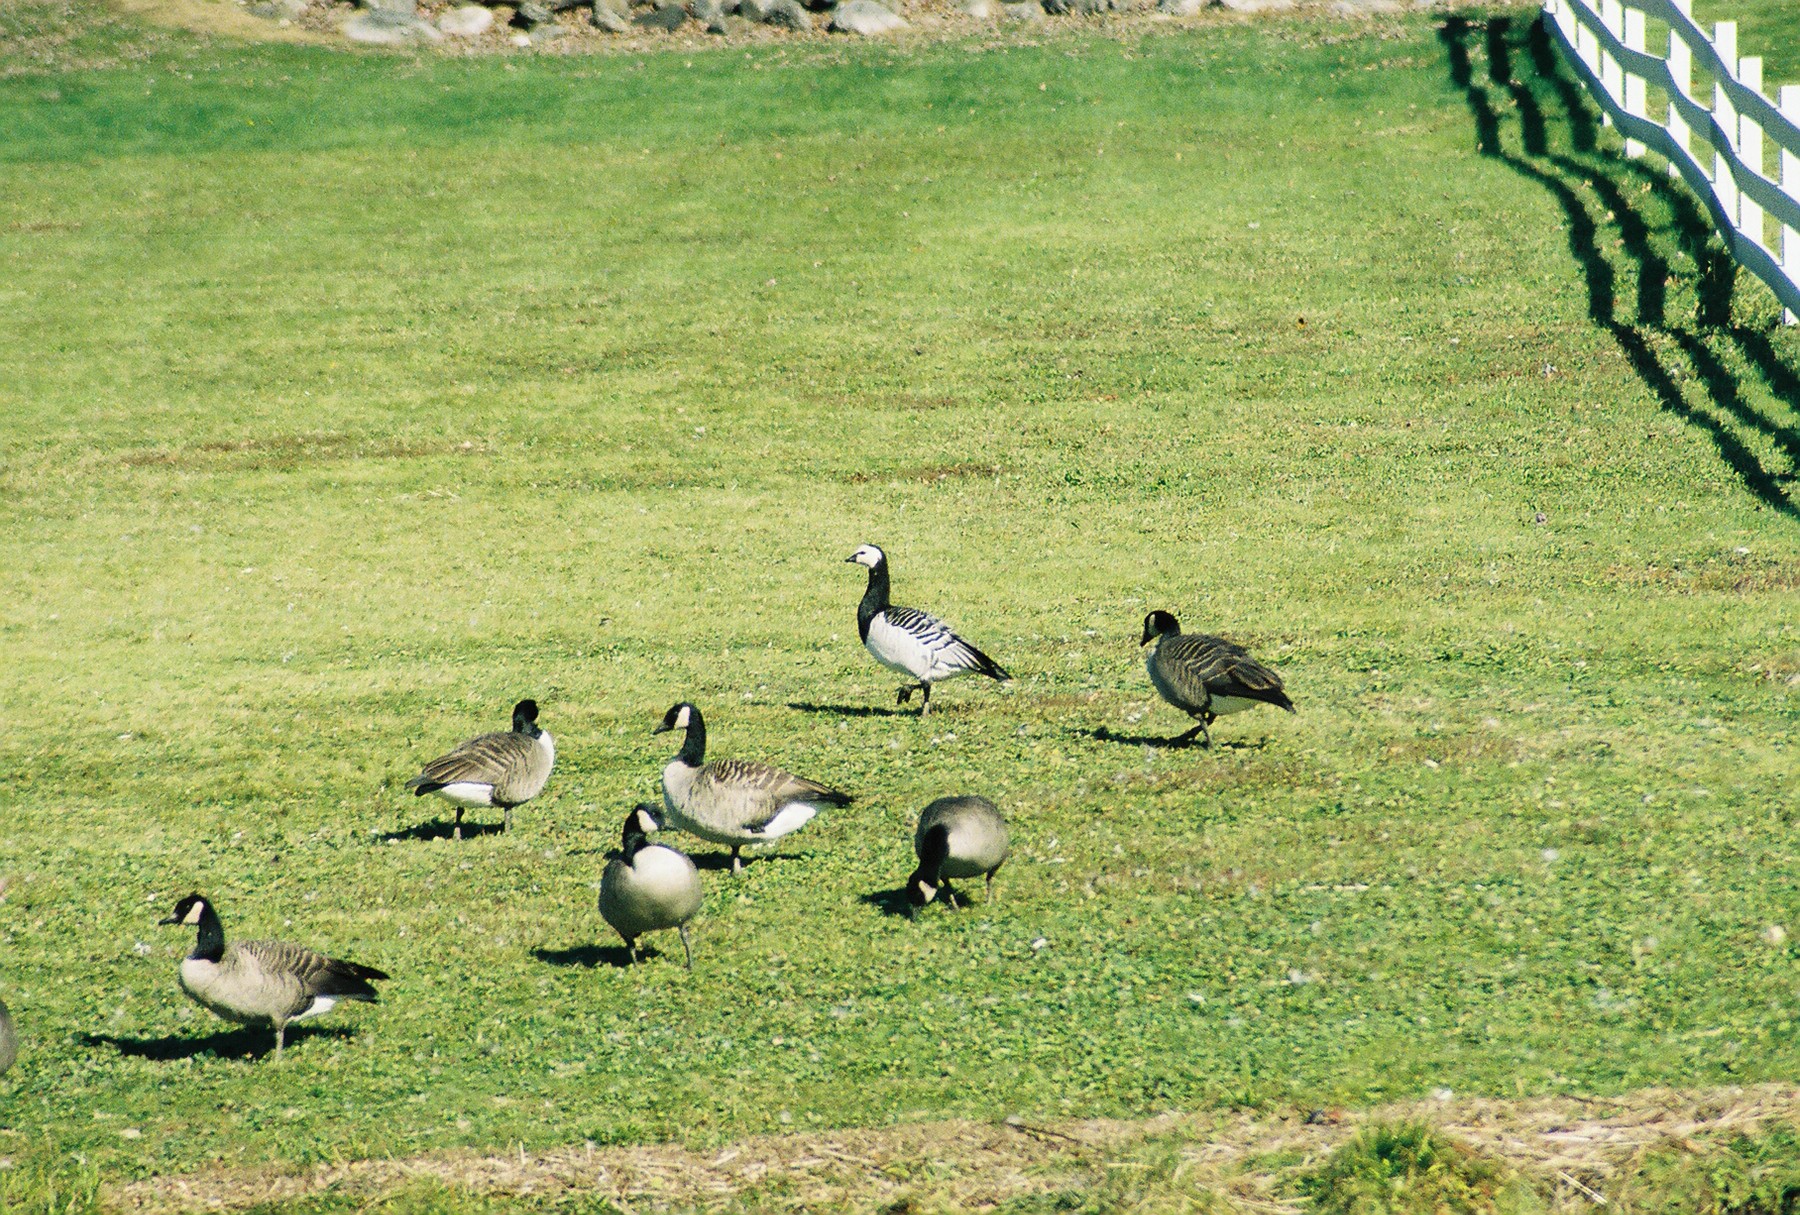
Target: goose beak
662, 728
169, 919
850, 560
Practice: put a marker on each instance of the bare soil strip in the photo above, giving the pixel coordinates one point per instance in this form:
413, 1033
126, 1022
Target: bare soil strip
1579, 1144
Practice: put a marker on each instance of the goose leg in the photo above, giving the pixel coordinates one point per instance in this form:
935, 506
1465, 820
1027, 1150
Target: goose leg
280, 1038
990, 886
1184, 739
737, 862
456, 832
926, 707
631, 949
950, 897
506, 824
903, 695
687, 947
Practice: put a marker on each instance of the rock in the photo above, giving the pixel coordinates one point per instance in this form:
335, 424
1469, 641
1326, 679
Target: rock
385, 28
981, 10
711, 14
405, 7
753, 10
610, 19
865, 17
550, 31
1181, 8
1057, 7
1030, 10
279, 10
468, 21
1255, 6
531, 12
787, 15
667, 16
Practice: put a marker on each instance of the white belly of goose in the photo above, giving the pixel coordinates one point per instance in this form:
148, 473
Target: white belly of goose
922, 657
467, 793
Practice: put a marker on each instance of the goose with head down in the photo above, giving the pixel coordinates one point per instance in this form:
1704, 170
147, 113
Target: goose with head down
736, 802
648, 887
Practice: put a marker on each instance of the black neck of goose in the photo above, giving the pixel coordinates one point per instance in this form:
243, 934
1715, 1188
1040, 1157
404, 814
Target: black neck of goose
934, 850
634, 839
874, 600
211, 943
693, 747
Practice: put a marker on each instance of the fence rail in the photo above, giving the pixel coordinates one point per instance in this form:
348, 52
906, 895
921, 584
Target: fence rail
1606, 43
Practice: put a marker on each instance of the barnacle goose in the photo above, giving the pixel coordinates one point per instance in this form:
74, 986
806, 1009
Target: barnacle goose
910, 641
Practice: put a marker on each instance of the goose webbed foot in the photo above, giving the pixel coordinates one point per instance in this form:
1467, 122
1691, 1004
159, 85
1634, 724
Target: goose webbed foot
737, 861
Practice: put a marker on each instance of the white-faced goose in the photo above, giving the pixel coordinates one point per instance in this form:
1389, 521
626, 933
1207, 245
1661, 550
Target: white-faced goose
649, 887
734, 801
271, 983
504, 769
914, 643
957, 837
1206, 677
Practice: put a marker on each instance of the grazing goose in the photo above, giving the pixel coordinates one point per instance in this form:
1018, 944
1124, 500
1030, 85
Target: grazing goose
649, 887
1206, 677
263, 982
504, 769
958, 837
734, 801
9, 1040
910, 641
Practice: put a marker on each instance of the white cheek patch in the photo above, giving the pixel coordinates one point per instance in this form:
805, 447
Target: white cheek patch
193, 915
681, 720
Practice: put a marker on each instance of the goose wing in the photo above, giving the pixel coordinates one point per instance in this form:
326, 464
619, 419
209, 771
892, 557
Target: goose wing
1202, 667
492, 759
932, 649
310, 973
758, 792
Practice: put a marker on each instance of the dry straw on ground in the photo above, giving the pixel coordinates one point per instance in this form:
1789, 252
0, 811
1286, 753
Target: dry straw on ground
1576, 1145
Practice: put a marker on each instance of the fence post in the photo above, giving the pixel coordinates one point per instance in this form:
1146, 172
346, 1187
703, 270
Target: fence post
1725, 114
1635, 103
1681, 67
1612, 16
1750, 151
1790, 185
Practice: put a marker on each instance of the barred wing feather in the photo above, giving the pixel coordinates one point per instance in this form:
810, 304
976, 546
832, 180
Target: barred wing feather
1202, 667
923, 646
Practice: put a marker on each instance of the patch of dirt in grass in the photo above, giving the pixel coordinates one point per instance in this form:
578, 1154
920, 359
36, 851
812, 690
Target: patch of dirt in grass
1575, 1148
930, 473
289, 451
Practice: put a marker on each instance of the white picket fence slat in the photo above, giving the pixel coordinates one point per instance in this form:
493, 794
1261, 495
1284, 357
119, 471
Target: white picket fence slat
1605, 42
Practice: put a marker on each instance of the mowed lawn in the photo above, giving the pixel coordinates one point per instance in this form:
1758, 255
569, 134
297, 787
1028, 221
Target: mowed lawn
349, 398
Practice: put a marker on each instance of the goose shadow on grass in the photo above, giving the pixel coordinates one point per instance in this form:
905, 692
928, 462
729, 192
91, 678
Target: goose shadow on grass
441, 829
1173, 742
590, 957
888, 902
720, 862
246, 1043
804, 706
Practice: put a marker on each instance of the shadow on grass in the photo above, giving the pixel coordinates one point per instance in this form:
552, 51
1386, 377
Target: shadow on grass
588, 957
802, 706
441, 829
1173, 741
1661, 354
246, 1043
888, 902
720, 862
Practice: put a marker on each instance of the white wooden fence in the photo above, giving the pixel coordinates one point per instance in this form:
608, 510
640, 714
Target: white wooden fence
1605, 42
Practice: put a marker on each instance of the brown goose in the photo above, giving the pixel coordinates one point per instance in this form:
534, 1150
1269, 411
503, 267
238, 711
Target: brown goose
1206, 677
648, 887
734, 801
504, 769
957, 837
263, 982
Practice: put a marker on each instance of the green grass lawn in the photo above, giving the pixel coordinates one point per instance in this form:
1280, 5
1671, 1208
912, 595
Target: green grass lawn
351, 397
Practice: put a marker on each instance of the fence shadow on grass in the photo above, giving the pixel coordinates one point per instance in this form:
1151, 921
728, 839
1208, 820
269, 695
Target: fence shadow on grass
247, 1043
1551, 106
